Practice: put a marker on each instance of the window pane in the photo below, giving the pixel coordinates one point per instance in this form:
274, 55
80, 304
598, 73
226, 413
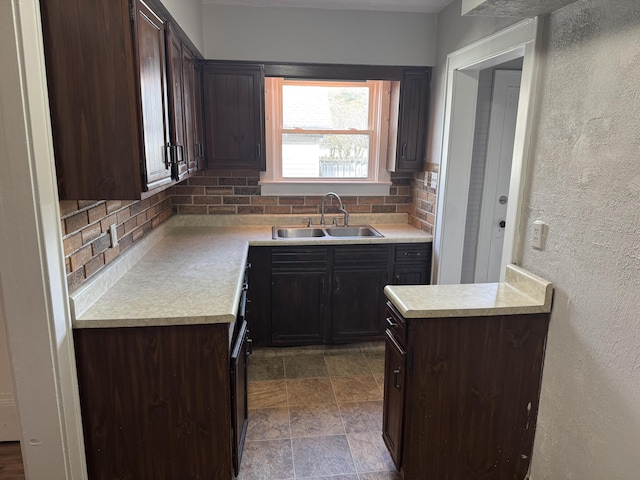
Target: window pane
325, 156
325, 108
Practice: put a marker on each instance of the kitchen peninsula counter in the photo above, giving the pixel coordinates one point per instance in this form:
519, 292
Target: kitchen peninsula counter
522, 292
191, 270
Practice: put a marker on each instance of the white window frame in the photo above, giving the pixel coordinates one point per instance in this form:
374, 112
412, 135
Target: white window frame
378, 181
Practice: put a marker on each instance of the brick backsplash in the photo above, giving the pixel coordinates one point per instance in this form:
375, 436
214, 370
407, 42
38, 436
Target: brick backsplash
85, 224
423, 200
85, 229
237, 192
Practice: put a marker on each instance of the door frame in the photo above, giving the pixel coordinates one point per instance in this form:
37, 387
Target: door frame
463, 68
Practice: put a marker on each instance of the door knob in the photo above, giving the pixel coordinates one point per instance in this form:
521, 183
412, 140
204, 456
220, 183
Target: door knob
502, 223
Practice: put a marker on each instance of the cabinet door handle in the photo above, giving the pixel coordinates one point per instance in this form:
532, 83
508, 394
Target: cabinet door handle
258, 150
249, 346
391, 323
181, 157
396, 378
412, 254
337, 285
247, 309
404, 150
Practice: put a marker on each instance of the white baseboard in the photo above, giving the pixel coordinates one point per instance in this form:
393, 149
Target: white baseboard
8, 418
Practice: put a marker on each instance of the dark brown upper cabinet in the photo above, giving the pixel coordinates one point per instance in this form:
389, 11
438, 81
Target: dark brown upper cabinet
177, 106
150, 35
413, 120
114, 113
234, 115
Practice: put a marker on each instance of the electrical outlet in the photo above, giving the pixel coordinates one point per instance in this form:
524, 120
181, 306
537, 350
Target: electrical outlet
113, 235
538, 235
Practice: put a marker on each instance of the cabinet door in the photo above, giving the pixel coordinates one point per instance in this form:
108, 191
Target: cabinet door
412, 264
357, 305
239, 404
413, 117
259, 295
150, 39
198, 131
179, 153
298, 308
393, 407
234, 116
190, 110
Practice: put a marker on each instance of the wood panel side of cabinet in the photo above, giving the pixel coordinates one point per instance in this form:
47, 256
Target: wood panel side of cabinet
472, 393
91, 76
156, 401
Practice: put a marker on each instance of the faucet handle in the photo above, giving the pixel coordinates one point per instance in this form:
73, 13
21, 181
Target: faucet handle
308, 220
335, 221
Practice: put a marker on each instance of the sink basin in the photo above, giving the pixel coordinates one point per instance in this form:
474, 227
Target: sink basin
296, 232
354, 231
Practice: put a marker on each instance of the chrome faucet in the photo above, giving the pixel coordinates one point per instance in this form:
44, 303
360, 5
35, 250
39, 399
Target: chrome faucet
341, 209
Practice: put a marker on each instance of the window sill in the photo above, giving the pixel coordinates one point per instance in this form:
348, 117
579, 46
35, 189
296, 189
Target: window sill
320, 187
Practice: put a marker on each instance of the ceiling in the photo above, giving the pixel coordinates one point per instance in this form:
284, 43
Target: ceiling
424, 6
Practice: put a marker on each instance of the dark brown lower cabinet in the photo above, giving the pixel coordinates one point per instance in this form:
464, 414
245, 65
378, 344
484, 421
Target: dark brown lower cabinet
467, 402
360, 273
319, 294
156, 401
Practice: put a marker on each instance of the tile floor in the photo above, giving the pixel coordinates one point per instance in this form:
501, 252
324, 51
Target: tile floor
316, 413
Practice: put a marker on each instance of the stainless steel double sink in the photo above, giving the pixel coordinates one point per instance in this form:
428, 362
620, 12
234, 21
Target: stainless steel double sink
353, 231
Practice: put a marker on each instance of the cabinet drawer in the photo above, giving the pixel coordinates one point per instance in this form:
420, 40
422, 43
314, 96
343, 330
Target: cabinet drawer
396, 324
303, 258
412, 253
369, 256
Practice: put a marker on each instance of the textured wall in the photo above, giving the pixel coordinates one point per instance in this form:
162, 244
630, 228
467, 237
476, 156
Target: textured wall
585, 184
454, 32
318, 36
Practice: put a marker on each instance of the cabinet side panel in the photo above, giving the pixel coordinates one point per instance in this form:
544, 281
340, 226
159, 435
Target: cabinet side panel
156, 401
473, 396
92, 96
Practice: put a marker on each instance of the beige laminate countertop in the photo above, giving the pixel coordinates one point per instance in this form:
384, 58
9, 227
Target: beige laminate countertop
192, 273
522, 292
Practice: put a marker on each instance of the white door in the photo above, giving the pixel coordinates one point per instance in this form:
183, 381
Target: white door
495, 195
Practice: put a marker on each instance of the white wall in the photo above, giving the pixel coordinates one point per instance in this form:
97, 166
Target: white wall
585, 183
8, 418
188, 13
318, 35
